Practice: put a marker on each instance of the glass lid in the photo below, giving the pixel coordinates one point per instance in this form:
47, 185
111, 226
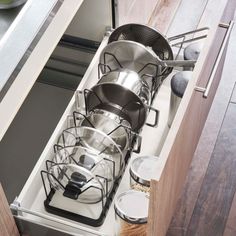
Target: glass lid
143, 169
132, 206
91, 138
88, 137
98, 164
76, 182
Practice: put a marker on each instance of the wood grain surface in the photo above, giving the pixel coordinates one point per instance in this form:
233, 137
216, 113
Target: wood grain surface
163, 14
219, 184
186, 204
176, 168
230, 228
7, 223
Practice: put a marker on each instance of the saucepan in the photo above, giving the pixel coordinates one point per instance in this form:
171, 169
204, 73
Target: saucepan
135, 56
123, 102
113, 125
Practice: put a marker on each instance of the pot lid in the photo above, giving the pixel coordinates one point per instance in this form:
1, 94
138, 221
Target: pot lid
76, 182
132, 206
95, 140
98, 164
143, 169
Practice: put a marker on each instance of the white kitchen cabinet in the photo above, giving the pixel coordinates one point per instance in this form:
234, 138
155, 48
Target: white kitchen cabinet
174, 146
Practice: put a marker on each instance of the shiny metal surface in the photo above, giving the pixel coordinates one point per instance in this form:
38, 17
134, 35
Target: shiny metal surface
129, 80
98, 164
95, 140
145, 35
135, 56
110, 124
143, 169
132, 206
124, 103
80, 178
206, 90
129, 55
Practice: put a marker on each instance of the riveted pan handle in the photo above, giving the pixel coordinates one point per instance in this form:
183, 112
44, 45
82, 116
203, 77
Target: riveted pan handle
137, 145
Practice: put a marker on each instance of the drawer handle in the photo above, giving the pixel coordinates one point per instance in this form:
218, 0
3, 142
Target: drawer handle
206, 90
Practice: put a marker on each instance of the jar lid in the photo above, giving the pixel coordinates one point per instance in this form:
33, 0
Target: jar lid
132, 206
179, 82
143, 169
192, 51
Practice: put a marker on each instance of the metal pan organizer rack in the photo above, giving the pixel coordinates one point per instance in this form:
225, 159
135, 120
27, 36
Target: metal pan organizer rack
53, 181
82, 177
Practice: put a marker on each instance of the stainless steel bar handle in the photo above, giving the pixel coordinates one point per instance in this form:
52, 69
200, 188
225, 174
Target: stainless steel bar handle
206, 90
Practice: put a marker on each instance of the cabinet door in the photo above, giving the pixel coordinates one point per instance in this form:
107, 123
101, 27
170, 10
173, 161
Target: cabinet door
7, 224
165, 192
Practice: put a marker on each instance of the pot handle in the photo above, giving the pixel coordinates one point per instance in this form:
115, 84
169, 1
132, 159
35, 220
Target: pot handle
156, 120
137, 145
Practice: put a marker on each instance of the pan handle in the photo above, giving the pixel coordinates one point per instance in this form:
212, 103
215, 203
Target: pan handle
137, 145
156, 120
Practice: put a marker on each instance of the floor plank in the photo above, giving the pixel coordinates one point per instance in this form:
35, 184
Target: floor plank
230, 229
219, 185
189, 12
163, 14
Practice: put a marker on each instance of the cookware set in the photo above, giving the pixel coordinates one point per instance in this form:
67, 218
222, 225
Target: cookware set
91, 154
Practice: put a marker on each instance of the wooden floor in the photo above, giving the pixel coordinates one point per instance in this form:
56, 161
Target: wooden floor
207, 206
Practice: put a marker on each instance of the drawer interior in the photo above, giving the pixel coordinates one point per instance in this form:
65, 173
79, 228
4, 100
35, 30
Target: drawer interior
72, 66
31, 198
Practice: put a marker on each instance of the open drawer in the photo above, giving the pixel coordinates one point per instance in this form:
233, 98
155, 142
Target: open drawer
174, 146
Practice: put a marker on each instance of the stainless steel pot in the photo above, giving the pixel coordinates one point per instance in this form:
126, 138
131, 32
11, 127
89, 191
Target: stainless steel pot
135, 56
110, 124
147, 36
130, 55
128, 80
123, 102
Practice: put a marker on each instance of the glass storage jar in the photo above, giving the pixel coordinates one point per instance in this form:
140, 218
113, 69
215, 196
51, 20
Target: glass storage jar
131, 213
142, 170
